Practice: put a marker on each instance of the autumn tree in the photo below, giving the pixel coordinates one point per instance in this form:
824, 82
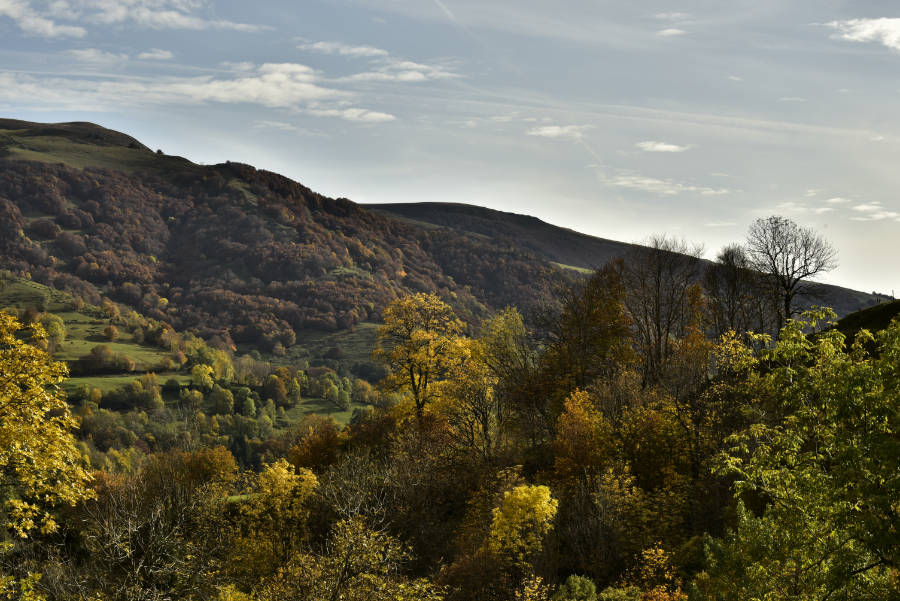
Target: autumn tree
40, 465
520, 523
419, 344
789, 255
589, 336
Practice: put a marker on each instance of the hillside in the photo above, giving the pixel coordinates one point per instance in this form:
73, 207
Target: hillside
255, 259
228, 250
567, 248
559, 245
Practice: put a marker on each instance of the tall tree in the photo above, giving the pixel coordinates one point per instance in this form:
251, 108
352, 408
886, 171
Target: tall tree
40, 465
739, 299
789, 254
658, 277
419, 344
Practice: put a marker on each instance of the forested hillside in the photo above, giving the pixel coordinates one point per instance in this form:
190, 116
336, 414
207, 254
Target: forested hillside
229, 250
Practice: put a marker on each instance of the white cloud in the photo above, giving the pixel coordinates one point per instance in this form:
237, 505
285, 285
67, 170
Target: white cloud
873, 211
402, 71
670, 32
822, 210
343, 49
837, 200
284, 126
156, 54
160, 14
43, 18
32, 22
651, 146
735, 78
663, 187
95, 56
264, 124
354, 114
720, 224
672, 16
274, 85
885, 31
791, 99
575, 132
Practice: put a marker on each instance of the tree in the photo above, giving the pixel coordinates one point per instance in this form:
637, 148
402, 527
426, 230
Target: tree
788, 254
658, 277
419, 344
820, 467
520, 523
737, 295
40, 465
590, 335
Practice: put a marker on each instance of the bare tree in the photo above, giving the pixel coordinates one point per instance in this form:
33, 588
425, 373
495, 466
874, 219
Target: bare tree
789, 255
658, 277
740, 298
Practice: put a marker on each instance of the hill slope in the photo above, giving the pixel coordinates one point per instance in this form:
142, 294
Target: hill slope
566, 247
253, 257
557, 244
228, 250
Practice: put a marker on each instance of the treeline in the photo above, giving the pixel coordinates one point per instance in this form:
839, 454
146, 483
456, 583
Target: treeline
247, 255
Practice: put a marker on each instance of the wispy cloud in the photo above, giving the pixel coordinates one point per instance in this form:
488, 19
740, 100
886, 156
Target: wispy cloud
343, 49
651, 146
670, 32
403, 71
45, 18
792, 99
156, 54
383, 67
33, 22
838, 200
662, 187
573, 132
672, 16
95, 56
274, 85
873, 211
720, 224
885, 31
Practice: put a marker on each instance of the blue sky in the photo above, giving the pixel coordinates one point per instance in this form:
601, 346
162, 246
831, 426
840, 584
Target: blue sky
617, 119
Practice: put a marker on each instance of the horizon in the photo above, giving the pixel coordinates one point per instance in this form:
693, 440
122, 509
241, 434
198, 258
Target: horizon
614, 121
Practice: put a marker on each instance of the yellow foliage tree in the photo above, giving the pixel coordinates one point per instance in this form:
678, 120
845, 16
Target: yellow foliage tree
419, 343
40, 465
272, 527
520, 523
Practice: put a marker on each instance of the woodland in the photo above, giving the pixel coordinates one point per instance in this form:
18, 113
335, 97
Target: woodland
633, 440
216, 384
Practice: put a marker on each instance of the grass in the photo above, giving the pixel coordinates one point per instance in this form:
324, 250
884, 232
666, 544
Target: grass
583, 270
114, 382
321, 407
356, 344
53, 149
84, 331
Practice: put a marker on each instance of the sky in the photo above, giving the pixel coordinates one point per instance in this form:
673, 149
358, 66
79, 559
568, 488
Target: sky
617, 119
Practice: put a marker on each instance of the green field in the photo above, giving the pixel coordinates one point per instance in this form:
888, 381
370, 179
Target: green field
84, 331
356, 344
